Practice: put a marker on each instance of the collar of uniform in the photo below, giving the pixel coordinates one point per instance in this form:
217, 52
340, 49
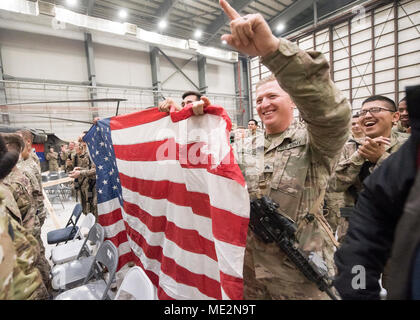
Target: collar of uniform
395, 138
277, 139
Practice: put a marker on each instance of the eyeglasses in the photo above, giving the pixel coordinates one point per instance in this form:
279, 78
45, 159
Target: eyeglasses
373, 110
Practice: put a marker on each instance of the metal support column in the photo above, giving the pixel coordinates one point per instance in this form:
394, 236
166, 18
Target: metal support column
350, 64
331, 51
242, 89
91, 72
372, 35
396, 52
3, 98
156, 83
202, 69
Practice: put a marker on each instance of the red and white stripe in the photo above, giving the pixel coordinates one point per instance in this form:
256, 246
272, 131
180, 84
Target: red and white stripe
184, 222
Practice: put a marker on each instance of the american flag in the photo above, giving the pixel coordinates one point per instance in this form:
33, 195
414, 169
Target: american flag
173, 200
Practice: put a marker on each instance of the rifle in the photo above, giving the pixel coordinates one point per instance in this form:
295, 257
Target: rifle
270, 226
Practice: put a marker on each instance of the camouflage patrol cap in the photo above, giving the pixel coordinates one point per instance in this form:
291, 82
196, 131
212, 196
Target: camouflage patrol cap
14, 141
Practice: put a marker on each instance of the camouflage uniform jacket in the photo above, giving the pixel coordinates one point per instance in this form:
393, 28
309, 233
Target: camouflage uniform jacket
294, 167
399, 128
30, 169
11, 206
35, 158
21, 189
7, 253
69, 165
26, 279
52, 158
31, 172
347, 173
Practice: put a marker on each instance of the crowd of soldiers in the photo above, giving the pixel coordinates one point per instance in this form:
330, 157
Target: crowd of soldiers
23, 214
312, 167
27, 275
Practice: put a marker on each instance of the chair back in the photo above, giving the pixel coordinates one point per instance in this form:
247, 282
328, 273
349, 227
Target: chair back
108, 257
75, 215
137, 283
63, 174
96, 236
53, 175
87, 223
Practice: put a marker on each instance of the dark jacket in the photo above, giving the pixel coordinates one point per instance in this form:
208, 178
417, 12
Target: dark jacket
370, 235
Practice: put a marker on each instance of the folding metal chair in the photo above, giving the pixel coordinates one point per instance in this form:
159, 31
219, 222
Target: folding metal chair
54, 192
137, 284
69, 274
107, 257
69, 251
69, 231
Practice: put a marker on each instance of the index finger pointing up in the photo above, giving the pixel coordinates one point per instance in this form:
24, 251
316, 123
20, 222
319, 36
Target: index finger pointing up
230, 12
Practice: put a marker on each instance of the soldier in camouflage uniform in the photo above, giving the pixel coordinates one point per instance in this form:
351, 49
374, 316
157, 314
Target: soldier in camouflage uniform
292, 163
52, 158
33, 172
336, 200
69, 155
19, 277
8, 254
360, 158
22, 190
84, 174
403, 125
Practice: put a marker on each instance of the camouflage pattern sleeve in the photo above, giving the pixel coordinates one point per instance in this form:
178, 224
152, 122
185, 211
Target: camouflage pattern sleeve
27, 279
347, 171
305, 76
90, 173
7, 254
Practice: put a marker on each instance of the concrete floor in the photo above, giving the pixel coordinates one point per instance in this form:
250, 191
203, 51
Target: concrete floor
59, 217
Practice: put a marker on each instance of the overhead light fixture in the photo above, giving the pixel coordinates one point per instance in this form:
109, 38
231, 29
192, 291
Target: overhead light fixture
122, 14
71, 3
162, 24
280, 27
198, 33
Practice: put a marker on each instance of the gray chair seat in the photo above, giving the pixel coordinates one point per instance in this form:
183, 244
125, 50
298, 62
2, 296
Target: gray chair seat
90, 291
70, 273
95, 287
61, 235
68, 253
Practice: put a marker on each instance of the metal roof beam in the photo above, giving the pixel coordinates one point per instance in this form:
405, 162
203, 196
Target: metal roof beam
166, 8
90, 5
214, 28
290, 12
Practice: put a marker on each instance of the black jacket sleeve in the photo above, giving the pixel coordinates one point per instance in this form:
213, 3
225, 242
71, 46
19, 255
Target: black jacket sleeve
371, 228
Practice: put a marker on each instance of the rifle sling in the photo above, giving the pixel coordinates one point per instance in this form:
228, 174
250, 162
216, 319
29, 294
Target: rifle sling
315, 212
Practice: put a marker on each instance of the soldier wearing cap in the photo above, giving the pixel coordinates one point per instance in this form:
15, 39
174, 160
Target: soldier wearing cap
293, 163
20, 279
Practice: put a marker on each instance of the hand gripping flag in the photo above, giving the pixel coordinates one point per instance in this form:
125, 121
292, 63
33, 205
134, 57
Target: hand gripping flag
173, 200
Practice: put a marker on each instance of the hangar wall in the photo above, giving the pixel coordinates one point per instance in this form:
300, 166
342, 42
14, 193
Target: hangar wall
374, 52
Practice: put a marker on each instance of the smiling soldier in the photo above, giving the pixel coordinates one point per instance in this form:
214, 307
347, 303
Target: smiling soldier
297, 159
360, 158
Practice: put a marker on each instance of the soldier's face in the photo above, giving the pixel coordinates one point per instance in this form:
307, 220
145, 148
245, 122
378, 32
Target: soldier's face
71, 145
402, 109
355, 127
25, 152
275, 107
252, 126
189, 99
378, 124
